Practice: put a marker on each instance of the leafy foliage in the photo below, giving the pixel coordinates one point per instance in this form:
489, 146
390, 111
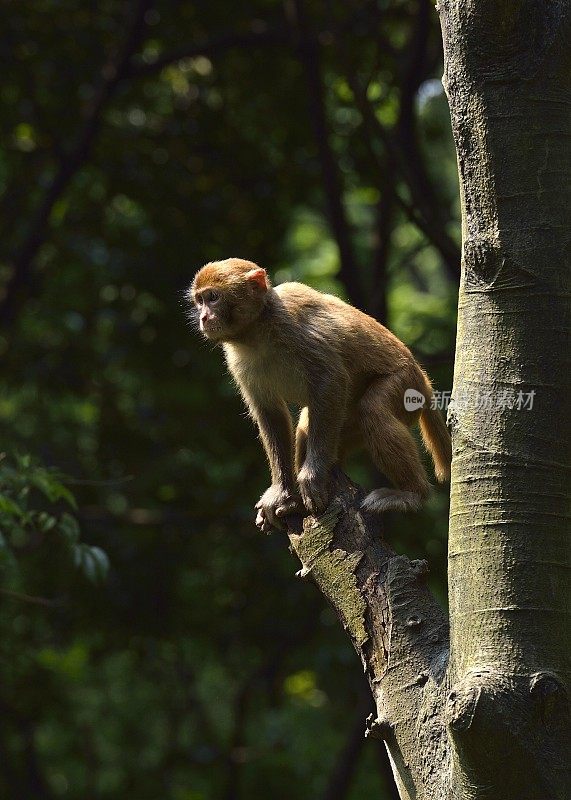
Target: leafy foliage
33, 524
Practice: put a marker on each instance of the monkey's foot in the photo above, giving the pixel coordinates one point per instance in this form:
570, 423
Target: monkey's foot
381, 500
314, 488
276, 502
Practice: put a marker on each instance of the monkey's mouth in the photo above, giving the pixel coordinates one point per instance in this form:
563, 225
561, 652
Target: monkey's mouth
211, 329
208, 324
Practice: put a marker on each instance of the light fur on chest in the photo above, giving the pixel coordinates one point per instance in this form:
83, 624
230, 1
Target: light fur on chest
267, 372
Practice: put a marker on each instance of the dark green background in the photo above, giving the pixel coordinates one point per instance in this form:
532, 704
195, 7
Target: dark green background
199, 667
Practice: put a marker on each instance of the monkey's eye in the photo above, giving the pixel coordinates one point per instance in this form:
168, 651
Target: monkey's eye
213, 296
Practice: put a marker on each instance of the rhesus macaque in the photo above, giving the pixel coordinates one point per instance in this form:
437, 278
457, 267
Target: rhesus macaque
294, 345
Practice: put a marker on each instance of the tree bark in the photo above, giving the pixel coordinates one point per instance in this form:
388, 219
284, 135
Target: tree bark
507, 80
396, 627
483, 714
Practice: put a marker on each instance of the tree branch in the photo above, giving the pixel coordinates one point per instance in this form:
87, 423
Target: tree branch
210, 47
111, 75
377, 305
395, 625
419, 213
416, 172
308, 50
33, 599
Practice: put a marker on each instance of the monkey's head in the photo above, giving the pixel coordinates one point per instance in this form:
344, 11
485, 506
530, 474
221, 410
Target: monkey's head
228, 296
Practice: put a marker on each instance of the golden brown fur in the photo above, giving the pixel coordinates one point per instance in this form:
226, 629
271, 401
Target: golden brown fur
348, 373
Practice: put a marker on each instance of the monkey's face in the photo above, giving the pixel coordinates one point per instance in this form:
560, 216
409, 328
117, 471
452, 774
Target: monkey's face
209, 308
227, 298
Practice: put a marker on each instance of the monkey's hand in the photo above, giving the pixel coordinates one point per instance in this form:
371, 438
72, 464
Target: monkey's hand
314, 488
276, 502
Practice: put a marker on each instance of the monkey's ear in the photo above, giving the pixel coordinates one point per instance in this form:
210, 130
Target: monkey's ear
258, 276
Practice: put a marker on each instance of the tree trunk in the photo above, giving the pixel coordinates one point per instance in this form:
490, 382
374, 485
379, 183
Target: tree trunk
484, 715
507, 79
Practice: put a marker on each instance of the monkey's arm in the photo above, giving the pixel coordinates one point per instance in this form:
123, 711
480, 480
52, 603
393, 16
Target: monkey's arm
276, 431
327, 403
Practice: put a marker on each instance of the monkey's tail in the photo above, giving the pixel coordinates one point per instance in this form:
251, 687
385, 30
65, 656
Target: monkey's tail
436, 440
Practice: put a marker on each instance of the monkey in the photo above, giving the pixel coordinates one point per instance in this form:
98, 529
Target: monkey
291, 345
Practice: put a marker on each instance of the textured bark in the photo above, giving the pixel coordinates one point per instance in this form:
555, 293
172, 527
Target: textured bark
485, 714
507, 70
396, 626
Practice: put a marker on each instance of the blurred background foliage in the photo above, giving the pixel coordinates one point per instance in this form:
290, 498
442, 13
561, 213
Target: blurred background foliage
153, 644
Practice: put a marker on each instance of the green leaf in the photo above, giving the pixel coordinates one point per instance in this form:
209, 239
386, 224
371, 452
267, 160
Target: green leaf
46, 521
69, 527
92, 561
24, 461
65, 494
100, 563
50, 485
8, 506
46, 484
